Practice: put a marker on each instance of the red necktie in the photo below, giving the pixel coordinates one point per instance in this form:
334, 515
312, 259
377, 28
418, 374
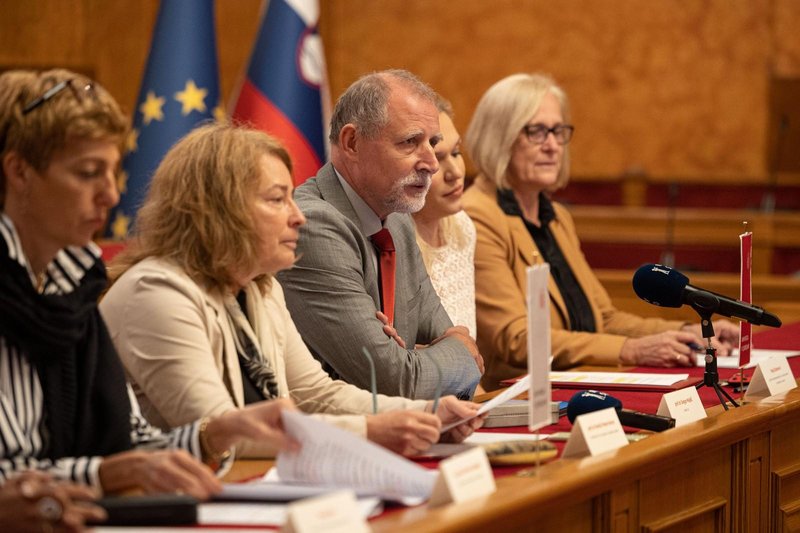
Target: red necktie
383, 241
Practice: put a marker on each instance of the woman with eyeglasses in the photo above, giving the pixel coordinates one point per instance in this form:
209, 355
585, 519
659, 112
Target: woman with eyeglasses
65, 407
199, 319
518, 139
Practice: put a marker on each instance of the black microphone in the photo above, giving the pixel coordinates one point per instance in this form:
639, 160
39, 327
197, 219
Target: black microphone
588, 401
666, 287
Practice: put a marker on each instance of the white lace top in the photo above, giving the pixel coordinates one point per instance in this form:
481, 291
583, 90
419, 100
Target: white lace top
452, 271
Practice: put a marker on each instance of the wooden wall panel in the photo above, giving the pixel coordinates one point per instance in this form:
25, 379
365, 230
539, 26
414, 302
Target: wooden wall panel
787, 46
664, 87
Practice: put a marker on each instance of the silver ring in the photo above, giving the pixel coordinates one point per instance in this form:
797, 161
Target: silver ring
50, 509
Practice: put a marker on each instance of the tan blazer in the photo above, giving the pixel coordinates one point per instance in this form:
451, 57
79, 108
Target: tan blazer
504, 250
178, 350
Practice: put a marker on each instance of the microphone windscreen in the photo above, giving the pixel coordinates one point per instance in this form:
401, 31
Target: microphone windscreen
589, 401
660, 285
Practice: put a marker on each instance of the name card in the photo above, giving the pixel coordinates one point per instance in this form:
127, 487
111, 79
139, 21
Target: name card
539, 353
336, 512
463, 477
771, 377
683, 405
595, 433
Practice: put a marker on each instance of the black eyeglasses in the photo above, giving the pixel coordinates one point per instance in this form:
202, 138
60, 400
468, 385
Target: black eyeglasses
537, 133
80, 93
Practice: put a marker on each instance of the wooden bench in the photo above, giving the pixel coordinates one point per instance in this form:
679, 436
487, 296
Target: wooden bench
704, 239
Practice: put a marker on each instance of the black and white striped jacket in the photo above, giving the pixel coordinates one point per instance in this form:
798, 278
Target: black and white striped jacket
21, 399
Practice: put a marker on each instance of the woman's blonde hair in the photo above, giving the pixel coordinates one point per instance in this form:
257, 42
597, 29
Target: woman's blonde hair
81, 109
198, 210
502, 112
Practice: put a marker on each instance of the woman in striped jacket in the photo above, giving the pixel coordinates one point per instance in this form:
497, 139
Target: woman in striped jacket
65, 407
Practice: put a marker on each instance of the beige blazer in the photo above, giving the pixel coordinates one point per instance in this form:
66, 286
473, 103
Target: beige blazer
178, 349
503, 251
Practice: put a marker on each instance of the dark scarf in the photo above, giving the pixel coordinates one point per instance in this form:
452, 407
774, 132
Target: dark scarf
86, 406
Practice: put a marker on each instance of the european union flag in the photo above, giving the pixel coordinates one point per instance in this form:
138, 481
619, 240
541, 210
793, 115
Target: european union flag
285, 91
180, 90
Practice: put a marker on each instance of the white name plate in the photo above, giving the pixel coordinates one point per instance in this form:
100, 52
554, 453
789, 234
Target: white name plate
463, 477
595, 433
336, 512
683, 405
771, 377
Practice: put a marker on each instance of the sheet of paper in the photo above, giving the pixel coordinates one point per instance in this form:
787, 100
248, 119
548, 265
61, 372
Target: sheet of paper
333, 457
628, 378
485, 437
266, 490
539, 350
515, 390
271, 514
150, 529
756, 356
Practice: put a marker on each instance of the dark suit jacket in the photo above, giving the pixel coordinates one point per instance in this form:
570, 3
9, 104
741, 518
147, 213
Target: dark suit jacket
332, 294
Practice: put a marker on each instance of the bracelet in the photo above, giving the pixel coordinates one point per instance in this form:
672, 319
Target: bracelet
214, 456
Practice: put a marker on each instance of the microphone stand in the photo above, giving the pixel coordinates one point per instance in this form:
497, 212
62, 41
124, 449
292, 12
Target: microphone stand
711, 375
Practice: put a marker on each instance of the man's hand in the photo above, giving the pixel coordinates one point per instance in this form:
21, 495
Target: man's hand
462, 334
389, 330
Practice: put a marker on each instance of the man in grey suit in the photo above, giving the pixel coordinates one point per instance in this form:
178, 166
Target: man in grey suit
383, 131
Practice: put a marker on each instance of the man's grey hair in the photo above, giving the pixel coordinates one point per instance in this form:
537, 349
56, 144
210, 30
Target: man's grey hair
364, 103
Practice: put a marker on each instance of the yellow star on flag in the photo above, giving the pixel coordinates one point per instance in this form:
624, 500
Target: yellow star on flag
119, 228
219, 113
122, 182
192, 98
151, 107
132, 142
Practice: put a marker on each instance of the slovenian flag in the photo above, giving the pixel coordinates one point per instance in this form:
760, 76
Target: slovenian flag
180, 89
286, 84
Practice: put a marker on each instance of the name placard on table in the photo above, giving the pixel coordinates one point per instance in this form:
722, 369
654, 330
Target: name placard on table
771, 377
595, 433
683, 405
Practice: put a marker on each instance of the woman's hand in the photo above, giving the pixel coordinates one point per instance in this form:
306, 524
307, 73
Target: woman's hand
404, 432
260, 422
451, 409
158, 472
668, 349
36, 502
726, 336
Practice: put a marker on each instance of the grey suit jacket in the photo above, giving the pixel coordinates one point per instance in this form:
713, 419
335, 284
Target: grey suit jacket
332, 293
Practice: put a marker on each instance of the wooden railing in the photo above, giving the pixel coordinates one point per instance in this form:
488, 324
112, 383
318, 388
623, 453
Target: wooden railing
692, 232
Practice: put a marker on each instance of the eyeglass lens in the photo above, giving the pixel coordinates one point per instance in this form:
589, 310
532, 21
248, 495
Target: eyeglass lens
538, 133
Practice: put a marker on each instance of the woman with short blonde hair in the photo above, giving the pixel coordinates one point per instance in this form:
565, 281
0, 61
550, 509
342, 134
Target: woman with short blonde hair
519, 140
502, 112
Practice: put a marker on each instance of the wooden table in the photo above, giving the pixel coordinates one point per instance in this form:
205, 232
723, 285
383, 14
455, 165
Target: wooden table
736, 470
